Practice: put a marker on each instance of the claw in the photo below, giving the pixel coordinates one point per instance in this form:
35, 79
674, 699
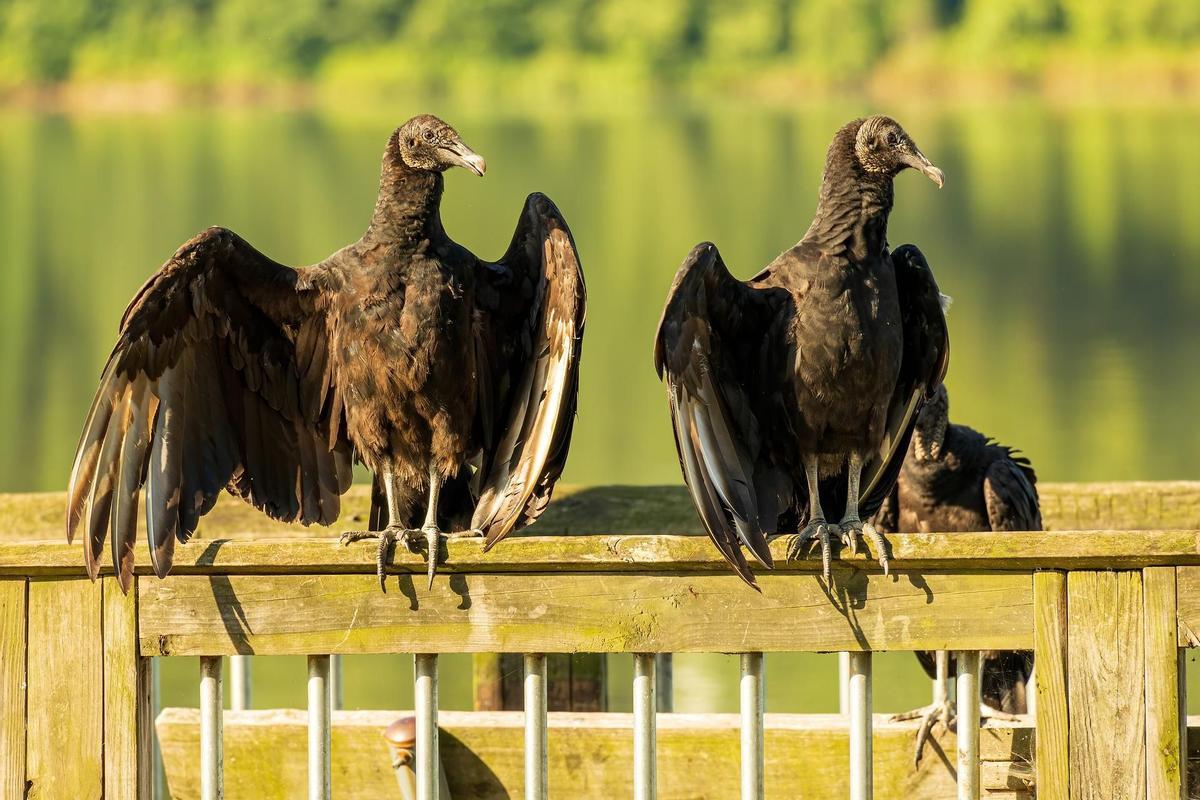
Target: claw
387, 538
852, 527
930, 716
816, 532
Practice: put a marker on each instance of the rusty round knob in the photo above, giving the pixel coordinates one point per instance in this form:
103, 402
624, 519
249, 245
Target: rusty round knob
402, 733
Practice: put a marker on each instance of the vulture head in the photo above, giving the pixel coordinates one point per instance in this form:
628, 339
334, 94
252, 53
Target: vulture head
931, 425
882, 147
430, 144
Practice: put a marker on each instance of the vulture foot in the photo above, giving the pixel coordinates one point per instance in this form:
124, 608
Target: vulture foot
930, 716
853, 527
817, 532
432, 536
387, 538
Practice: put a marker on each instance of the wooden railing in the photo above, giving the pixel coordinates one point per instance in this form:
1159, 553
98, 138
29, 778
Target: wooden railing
1106, 612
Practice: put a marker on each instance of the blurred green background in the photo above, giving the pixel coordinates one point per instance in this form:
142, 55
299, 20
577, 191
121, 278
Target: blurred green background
1067, 231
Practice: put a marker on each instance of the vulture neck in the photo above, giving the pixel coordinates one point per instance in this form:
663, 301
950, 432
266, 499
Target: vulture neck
853, 207
409, 205
928, 440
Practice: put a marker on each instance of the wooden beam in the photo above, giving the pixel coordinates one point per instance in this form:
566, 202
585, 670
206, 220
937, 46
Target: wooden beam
590, 755
127, 716
1164, 761
1050, 652
1106, 686
12, 688
65, 700
277, 615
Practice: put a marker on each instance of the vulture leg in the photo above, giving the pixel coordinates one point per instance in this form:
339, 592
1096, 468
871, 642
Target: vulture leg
940, 710
851, 526
388, 536
817, 530
430, 529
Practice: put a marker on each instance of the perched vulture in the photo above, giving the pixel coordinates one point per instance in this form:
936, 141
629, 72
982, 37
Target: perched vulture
797, 391
453, 379
956, 479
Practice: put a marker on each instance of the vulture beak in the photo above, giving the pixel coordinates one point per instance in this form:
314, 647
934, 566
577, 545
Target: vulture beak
463, 156
919, 162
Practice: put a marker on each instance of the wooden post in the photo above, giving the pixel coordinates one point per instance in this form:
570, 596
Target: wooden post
1052, 742
128, 734
753, 701
860, 701
967, 686
1165, 750
645, 767
426, 702
535, 727
239, 683
12, 687
1106, 690
212, 778
159, 789
319, 734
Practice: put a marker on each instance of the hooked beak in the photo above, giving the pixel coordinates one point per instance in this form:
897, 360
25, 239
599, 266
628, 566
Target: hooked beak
919, 162
463, 156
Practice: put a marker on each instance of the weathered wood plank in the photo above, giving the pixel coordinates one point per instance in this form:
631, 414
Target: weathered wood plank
1106, 686
127, 761
1164, 773
641, 553
589, 756
597, 613
12, 688
65, 690
1187, 592
1050, 650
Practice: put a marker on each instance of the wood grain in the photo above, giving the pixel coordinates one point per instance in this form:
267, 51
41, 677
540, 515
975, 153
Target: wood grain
127, 757
1050, 651
12, 688
65, 695
1164, 761
1106, 686
597, 613
589, 756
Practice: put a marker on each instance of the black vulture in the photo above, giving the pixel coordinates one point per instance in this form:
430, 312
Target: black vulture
956, 479
453, 379
797, 391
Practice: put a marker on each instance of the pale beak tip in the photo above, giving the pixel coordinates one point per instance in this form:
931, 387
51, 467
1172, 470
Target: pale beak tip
936, 175
477, 165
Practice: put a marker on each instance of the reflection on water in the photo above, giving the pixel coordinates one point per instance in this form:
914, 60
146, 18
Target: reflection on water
1067, 238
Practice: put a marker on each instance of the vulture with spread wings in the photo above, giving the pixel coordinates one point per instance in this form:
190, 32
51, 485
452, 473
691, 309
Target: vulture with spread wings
797, 391
453, 379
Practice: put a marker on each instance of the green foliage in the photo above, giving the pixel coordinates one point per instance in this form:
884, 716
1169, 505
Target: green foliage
438, 42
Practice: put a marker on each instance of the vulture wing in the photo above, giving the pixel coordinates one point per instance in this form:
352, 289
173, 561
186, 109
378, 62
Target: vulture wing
711, 344
922, 368
1010, 492
219, 378
529, 331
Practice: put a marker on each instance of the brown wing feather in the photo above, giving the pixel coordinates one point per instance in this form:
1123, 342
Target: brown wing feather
219, 378
528, 344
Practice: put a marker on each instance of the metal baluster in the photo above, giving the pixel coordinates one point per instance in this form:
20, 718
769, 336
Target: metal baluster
319, 735
859, 701
664, 672
645, 770
843, 683
212, 778
535, 727
752, 702
968, 724
239, 683
426, 702
335, 683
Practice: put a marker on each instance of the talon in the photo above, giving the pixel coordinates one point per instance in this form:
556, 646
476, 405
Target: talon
817, 532
349, 537
879, 543
850, 537
387, 538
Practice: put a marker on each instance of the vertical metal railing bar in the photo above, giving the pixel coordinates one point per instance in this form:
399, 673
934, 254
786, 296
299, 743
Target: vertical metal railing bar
425, 668
859, 701
535, 727
212, 778
941, 680
664, 671
753, 701
158, 790
843, 683
967, 685
319, 731
336, 698
1031, 693
645, 768
239, 683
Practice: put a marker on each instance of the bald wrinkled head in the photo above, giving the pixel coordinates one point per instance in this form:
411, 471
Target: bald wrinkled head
932, 423
883, 147
430, 144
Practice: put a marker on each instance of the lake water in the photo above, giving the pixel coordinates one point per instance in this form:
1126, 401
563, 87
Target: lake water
1068, 238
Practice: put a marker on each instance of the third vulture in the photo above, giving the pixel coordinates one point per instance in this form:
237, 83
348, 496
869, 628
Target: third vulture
452, 378
794, 394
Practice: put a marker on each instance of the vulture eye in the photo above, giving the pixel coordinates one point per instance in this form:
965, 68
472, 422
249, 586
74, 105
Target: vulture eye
892, 139
429, 136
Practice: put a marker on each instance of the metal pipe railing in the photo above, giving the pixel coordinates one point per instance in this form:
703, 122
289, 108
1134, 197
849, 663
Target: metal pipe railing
753, 702
212, 778
645, 769
425, 668
967, 685
319, 733
239, 683
859, 701
535, 728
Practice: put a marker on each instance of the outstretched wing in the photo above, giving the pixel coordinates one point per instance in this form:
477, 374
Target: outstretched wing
529, 330
926, 354
711, 344
220, 378
1010, 492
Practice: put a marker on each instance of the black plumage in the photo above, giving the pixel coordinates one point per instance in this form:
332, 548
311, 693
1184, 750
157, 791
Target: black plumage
956, 479
796, 391
403, 350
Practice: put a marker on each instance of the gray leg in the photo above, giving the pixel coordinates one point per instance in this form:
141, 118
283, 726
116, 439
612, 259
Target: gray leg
393, 531
817, 529
852, 527
430, 528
